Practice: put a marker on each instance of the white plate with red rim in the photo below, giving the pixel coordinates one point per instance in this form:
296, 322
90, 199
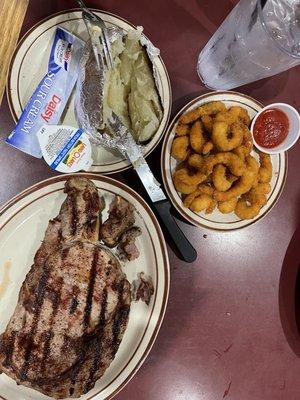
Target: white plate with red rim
29, 65
23, 221
217, 220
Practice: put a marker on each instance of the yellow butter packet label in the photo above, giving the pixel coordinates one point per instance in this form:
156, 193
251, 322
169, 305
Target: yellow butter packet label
65, 148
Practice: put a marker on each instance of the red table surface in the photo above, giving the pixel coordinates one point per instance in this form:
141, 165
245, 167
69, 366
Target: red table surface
229, 330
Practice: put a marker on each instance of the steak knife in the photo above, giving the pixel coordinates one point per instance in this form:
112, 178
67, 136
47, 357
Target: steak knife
125, 142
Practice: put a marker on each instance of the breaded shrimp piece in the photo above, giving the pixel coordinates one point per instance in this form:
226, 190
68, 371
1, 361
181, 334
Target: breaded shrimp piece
247, 144
243, 185
181, 186
206, 109
266, 168
201, 189
212, 206
182, 130
179, 148
219, 178
226, 207
196, 137
207, 122
249, 205
201, 203
232, 161
207, 147
184, 176
227, 137
234, 114
196, 161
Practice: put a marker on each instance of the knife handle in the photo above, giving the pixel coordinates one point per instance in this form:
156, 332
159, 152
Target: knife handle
184, 247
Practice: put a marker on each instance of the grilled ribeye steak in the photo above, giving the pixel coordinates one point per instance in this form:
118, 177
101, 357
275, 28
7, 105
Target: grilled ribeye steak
73, 306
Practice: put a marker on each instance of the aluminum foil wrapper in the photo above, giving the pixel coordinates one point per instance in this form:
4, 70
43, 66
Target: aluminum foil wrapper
152, 52
90, 95
90, 90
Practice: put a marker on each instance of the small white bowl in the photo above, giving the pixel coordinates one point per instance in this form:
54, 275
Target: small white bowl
293, 133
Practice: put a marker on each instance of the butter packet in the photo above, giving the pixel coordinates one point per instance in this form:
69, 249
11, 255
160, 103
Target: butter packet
65, 148
49, 99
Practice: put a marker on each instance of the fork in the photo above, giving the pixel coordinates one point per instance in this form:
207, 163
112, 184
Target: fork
91, 18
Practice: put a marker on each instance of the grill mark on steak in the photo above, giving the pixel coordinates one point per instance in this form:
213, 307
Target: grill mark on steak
50, 334
91, 208
119, 318
74, 374
9, 349
74, 214
65, 252
38, 305
90, 292
98, 355
74, 303
59, 236
74, 306
92, 203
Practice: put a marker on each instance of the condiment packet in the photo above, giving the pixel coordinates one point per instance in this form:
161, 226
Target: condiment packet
65, 148
48, 101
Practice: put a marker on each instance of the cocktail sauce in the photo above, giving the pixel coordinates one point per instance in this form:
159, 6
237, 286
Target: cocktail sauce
271, 128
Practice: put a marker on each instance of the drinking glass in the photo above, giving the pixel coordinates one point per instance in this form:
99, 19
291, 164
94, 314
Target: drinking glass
257, 39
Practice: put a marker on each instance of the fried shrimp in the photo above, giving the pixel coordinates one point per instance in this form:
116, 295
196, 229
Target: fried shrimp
196, 137
201, 202
266, 169
182, 130
246, 210
219, 178
242, 185
261, 188
190, 198
180, 148
207, 122
226, 207
252, 164
207, 109
247, 144
184, 176
216, 167
240, 114
227, 137
181, 186
234, 114
212, 206
249, 205
207, 147
196, 161
232, 161
201, 189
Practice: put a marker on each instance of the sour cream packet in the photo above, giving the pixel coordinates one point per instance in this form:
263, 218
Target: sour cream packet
48, 101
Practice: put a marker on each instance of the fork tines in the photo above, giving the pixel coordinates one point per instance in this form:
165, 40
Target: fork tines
93, 20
